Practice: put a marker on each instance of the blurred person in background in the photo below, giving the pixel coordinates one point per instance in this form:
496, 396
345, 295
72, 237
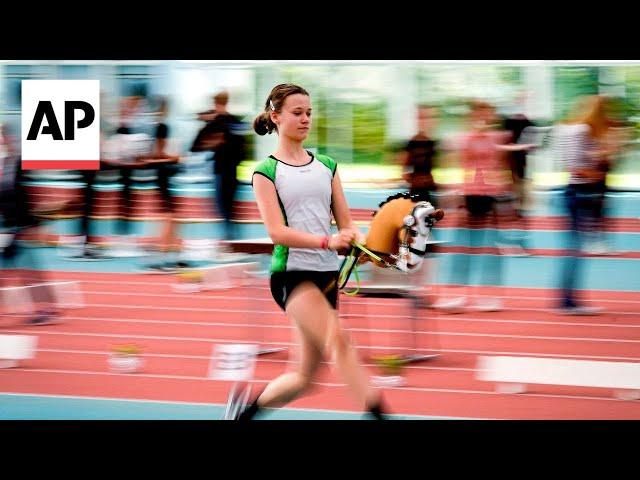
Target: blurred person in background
516, 123
612, 145
581, 144
127, 155
297, 192
167, 166
91, 252
419, 155
418, 159
18, 218
486, 178
128, 149
210, 114
223, 136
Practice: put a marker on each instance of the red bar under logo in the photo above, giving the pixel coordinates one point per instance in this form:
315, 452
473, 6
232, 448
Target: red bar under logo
61, 164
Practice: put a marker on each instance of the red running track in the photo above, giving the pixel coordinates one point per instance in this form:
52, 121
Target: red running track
178, 332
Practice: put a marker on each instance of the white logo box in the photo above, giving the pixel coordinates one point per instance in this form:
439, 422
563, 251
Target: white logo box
81, 153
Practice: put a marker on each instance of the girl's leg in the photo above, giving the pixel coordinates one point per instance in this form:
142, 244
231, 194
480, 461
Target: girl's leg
320, 323
309, 315
349, 366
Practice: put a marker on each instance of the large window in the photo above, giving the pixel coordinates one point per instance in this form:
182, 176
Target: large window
571, 83
450, 86
363, 112
350, 109
74, 72
134, 80
11, 102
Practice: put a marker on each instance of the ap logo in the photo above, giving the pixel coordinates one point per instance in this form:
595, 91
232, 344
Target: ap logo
61, 124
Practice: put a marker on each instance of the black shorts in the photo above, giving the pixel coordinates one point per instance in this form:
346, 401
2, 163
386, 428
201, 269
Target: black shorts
165, 172
283, 283
14, 210
479, 205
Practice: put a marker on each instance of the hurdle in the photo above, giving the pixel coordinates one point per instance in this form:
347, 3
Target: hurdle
216, 277
235, 363
21, 300
16, 301
513, 374
385, 284
66, 294
388, 283
254, 246
222, 277
14, 348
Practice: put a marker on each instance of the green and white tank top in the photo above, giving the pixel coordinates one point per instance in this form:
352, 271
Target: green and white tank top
304, 194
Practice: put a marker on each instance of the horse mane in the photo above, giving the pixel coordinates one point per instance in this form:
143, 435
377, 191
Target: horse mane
395, 196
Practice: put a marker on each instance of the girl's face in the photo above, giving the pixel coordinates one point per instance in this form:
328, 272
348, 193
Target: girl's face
294, 119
